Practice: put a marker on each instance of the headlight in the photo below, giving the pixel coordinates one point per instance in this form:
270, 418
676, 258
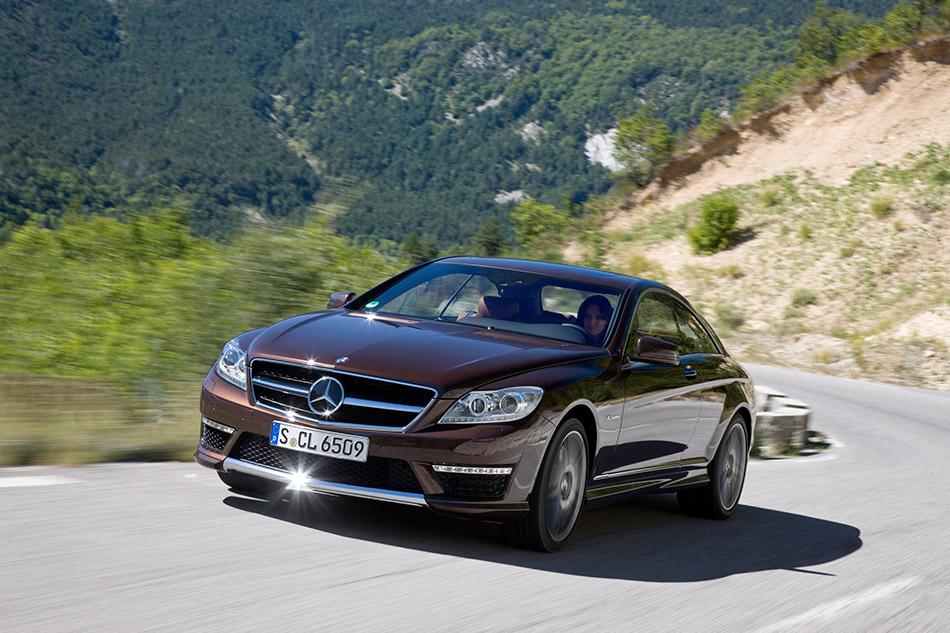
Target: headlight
503, 405
230, 364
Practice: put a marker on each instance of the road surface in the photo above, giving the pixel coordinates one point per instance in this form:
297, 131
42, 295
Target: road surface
854, 539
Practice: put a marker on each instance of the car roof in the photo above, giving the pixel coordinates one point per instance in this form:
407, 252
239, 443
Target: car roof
565, 271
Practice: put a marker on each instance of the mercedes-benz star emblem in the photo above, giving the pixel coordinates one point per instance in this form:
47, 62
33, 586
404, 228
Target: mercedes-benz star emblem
326, 396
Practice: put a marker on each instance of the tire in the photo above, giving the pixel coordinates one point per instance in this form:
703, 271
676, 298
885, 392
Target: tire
251, 486
558, 495
719, 498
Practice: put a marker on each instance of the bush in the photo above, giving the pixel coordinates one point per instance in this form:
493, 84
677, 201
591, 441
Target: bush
771, 196
730, 316
716, 226
804, 297
882, 206
942, 177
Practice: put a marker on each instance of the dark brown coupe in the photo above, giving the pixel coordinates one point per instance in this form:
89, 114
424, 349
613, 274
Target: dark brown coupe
474, 387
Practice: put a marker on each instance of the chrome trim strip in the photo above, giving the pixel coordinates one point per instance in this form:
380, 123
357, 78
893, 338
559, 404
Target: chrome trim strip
325, 487
282, 387
643, 469
373, 404
687, 481
472, 470
297, 416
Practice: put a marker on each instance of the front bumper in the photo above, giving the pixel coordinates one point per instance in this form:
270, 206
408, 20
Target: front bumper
406, 457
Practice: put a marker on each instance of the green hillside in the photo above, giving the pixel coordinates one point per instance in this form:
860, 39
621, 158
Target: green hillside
115, 107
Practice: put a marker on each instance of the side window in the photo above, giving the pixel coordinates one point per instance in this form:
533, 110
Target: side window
654, 317
693, 338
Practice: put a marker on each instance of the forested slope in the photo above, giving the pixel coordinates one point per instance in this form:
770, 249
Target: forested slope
110, 107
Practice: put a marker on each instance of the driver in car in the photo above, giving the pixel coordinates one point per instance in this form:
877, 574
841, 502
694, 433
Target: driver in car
594, 315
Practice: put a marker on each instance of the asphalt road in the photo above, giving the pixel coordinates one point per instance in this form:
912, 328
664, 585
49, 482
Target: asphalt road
854, 539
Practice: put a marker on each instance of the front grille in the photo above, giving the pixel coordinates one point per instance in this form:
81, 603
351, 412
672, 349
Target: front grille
213, 438
463, 485
375, 472
372, 402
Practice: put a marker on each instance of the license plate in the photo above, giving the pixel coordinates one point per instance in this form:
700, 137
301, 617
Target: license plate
338, 445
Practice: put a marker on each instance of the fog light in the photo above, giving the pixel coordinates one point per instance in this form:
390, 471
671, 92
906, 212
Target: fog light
217, 425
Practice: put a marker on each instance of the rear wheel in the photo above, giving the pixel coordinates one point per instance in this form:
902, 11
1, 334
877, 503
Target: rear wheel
252, 486
718, 499
558, 494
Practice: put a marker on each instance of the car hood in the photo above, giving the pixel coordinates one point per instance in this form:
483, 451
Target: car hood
448, 356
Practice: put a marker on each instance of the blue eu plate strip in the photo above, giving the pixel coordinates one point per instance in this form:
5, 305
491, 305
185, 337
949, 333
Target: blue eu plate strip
274, 432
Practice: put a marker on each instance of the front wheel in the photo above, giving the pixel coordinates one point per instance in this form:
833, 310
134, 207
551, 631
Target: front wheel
558, 494
718, 499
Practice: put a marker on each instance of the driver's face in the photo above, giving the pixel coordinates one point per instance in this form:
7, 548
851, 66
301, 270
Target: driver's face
593, 320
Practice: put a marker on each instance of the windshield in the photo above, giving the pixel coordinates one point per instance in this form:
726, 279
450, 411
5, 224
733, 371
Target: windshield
502, 299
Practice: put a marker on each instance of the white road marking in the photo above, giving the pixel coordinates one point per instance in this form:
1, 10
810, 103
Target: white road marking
35, 480
841, 606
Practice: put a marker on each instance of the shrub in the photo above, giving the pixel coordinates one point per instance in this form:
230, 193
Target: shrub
732, 270
770, 197
804, 297
882, 206
730, 316
641, 266
716, 226
942, 177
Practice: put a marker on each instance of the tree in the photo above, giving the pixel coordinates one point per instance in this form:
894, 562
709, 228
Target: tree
534, 221
418, 250
822, 32
902, 23
490, 239
710, 124
642, 144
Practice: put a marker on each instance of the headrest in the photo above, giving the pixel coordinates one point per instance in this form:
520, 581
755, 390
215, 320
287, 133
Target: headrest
497, 308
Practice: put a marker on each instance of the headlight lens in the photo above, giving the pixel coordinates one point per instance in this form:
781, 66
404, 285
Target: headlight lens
502, 405
230, 364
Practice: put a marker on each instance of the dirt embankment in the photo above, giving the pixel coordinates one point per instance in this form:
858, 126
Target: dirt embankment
842, 265
874, 111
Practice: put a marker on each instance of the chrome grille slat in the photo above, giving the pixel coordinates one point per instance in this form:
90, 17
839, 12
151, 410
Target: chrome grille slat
282, 386
369, 402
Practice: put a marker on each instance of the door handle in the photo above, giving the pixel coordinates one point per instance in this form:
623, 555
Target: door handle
690, 372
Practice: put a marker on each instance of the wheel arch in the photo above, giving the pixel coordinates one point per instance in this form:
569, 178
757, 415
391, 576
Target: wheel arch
586, 417
745, 414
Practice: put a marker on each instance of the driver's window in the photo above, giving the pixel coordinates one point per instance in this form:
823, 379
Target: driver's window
653, 317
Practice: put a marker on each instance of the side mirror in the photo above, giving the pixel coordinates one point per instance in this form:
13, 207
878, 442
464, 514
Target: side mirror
339, 299
655, 351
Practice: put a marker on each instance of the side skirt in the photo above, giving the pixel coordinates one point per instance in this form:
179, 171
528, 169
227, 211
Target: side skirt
690, 476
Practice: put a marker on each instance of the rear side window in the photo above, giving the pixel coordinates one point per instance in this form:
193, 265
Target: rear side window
654, 317
693, 338
663, 317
